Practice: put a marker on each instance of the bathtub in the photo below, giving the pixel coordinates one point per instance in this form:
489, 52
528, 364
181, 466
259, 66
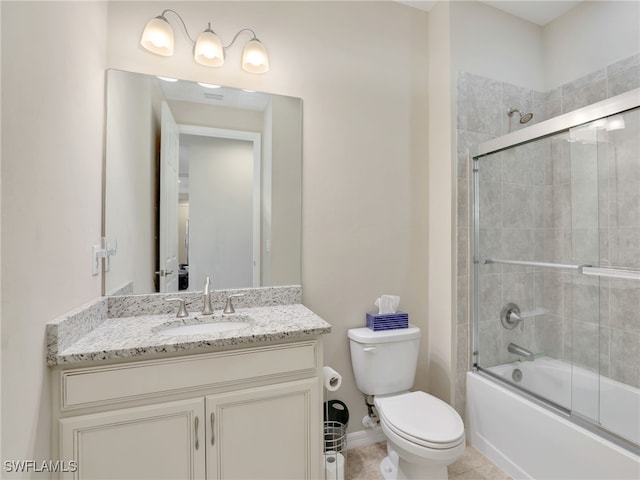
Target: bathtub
528, 440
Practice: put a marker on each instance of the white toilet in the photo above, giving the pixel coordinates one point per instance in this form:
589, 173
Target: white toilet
424, 434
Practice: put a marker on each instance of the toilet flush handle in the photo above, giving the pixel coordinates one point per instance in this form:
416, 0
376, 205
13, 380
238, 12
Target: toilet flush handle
369, 349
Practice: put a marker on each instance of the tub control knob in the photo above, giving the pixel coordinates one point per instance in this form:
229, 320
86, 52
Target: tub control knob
510, 316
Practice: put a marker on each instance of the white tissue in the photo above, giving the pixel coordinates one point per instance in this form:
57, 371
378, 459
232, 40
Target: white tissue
387, 303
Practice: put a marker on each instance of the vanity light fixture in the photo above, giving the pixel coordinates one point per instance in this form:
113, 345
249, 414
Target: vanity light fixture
208, 50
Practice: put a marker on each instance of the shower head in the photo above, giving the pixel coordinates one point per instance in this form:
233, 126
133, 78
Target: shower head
524, 118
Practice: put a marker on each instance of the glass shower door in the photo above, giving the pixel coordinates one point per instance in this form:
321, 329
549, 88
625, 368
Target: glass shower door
522, 270
582, 342
556, 281
607, 153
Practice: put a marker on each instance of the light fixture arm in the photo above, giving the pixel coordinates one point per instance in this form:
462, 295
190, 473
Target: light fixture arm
238, 34
184, 25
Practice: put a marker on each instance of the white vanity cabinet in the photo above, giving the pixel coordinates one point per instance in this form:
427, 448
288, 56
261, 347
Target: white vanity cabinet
250, 413
157, 441
264, 432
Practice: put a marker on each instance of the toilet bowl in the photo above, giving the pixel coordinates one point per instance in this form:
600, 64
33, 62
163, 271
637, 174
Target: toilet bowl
424, 434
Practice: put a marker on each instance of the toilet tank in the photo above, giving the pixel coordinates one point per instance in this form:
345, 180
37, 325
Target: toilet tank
384, 362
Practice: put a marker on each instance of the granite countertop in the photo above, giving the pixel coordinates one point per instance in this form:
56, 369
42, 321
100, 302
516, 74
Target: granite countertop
141, 336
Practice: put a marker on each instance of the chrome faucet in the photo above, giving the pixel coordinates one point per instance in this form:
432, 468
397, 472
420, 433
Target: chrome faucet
523, 352
207, 309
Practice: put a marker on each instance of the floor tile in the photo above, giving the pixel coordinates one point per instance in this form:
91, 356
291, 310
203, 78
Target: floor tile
363, 464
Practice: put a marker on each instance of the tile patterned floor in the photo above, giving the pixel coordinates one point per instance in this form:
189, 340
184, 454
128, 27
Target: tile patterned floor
362, 464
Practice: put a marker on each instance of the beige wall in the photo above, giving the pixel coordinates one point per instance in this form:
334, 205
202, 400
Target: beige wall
516, 54
588, 38
52, 148
440, 204
360, 69
1, 336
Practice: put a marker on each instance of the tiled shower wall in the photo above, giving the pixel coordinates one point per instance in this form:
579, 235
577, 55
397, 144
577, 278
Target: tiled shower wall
526, 192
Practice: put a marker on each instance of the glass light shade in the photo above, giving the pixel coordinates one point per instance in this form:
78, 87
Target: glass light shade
254, 57
208, 50
158, 37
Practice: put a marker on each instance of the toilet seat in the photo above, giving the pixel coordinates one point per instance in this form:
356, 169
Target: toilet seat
421, 419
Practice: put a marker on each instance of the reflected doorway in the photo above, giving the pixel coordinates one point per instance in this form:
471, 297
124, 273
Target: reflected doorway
219, 211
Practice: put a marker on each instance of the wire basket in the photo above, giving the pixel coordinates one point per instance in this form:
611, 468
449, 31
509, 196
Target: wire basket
335, 436
335, 446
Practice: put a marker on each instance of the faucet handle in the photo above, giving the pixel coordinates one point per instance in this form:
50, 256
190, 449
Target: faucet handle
510, 316
228, 307
182, 310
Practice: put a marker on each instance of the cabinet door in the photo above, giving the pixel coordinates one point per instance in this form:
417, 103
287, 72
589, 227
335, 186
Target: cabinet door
271, 432
163, 441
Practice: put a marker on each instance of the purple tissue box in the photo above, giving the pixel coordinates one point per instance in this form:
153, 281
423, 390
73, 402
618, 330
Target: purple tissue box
387, 321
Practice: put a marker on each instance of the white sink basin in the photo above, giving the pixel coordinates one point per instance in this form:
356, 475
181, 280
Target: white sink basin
204, 328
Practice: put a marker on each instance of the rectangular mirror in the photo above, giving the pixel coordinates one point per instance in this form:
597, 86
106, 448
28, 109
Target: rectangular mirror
200, 181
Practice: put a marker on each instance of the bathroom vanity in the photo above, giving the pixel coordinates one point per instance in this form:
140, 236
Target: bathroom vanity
131, 401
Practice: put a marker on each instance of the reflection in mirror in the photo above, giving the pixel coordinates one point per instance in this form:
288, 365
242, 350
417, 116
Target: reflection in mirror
200, 182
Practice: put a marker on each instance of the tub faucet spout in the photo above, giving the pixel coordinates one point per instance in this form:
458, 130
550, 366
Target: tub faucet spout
523, 352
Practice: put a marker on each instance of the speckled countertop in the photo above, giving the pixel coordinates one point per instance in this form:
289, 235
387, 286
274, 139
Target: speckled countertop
98, 337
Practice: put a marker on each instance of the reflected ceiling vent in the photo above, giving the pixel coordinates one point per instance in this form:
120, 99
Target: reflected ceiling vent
213, 96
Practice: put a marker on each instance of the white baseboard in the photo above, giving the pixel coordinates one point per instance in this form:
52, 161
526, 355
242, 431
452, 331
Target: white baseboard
363, 438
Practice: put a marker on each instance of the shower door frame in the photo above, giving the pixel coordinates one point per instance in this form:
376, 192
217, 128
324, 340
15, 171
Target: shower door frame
562, 123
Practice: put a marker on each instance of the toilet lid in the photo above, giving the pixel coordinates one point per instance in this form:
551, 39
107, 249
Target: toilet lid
422, 419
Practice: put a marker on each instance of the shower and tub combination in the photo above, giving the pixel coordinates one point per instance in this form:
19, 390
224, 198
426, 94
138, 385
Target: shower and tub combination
554, 391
